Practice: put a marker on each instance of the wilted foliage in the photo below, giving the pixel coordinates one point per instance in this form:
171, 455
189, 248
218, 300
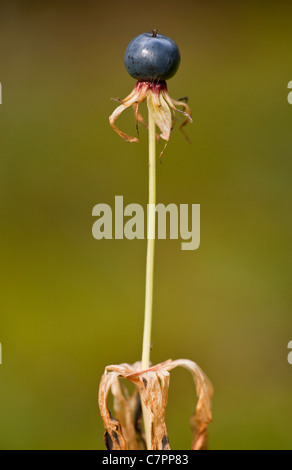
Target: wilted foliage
124, 431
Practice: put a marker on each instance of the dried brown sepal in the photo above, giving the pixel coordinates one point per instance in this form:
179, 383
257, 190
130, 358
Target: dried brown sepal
124, 431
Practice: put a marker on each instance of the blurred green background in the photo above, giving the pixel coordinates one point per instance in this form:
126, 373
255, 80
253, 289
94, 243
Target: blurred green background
70, 305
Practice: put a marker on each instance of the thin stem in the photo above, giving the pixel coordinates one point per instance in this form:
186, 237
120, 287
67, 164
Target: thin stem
150, 247
149, 268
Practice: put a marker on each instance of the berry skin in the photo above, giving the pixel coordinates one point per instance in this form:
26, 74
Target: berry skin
152, 57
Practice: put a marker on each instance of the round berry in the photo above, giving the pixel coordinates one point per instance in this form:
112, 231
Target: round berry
152, 57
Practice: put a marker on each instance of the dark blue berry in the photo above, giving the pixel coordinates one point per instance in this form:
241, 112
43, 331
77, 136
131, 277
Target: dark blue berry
152, 57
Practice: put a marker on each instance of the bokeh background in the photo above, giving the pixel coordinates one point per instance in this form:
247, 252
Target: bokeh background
70, 304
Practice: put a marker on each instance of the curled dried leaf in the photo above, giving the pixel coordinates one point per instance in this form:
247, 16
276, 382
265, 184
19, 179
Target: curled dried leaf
124, 430
153, 388
202, 415
113, 437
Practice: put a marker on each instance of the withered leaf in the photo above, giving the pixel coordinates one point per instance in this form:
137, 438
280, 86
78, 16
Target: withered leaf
123, 432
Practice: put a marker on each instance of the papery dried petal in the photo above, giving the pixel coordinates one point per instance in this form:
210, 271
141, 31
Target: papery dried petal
187, 113
161, 114
160, 105
139, 118
137, 96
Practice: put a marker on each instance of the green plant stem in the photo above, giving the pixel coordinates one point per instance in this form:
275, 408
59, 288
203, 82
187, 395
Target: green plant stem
149, 266
150, 248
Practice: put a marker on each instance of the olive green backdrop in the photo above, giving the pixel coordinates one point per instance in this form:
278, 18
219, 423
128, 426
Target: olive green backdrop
70, 304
